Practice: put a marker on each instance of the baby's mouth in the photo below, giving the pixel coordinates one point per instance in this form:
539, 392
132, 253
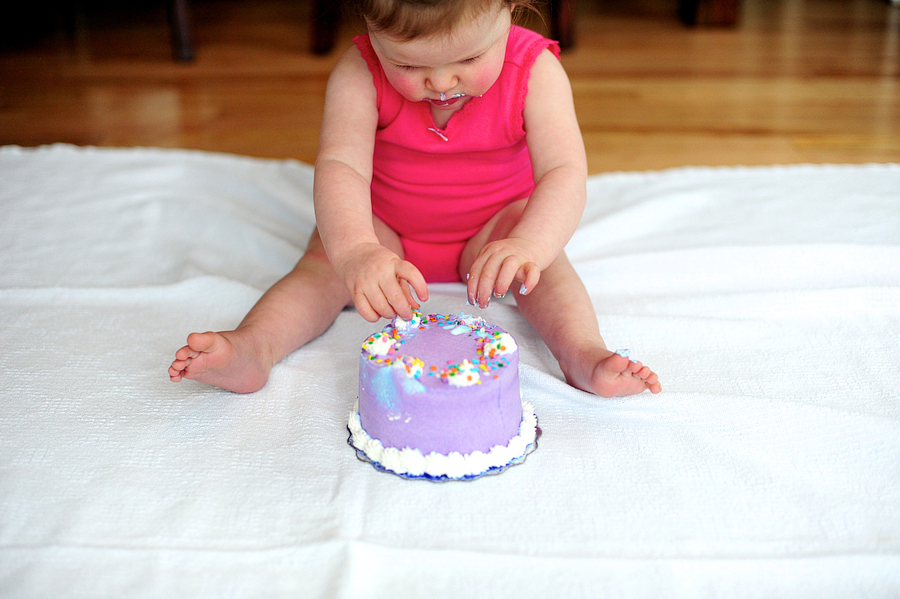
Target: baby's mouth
445, 101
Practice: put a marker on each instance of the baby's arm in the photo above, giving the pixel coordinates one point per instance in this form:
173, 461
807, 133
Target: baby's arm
555, 207
377, 278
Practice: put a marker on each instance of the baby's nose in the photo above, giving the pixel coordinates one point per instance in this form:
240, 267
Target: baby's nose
442, 81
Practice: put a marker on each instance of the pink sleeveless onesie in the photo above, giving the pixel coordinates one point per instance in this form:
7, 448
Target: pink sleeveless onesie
438, 187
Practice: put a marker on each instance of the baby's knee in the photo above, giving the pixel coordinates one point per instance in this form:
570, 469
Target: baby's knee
315, 249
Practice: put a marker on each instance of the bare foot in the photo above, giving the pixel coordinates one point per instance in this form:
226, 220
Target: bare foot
610, 375
227, 360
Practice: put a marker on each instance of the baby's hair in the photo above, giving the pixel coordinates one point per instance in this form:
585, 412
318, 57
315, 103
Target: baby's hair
406, 20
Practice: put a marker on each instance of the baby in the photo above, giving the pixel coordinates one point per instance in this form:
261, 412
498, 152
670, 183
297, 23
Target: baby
449, 151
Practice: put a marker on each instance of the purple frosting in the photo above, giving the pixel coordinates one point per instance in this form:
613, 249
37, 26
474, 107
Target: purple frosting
429, 414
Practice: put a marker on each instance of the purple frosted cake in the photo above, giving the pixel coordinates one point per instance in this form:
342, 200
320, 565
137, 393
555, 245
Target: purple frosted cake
439, 399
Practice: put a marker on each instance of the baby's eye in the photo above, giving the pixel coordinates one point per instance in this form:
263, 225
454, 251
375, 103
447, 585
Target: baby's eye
471, 60
405, 67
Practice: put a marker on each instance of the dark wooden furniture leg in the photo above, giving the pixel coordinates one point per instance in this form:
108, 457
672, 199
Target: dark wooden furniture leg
180, 22
709, 12
692, 12
324, 22
562, 22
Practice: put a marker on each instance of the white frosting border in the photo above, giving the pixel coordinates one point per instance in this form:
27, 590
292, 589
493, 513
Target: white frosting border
410, 463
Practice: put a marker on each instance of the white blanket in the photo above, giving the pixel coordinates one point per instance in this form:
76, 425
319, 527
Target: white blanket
767, 299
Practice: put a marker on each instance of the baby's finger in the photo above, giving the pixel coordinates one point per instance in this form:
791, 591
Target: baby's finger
404, 309
472, 279
507, 274
487, 280
409, 273
379, 299
529, 274
393, 292
413, 304
364, 308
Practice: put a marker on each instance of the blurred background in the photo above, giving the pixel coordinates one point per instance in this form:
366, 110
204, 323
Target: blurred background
764, 82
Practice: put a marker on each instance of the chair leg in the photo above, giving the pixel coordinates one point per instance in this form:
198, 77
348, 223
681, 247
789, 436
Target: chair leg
562, 22
324, 21
180, 22
709, 12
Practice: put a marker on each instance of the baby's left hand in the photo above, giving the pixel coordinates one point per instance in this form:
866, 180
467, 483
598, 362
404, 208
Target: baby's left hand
497, 265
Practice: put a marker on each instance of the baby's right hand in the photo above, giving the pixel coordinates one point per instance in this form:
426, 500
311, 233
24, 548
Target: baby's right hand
379, 282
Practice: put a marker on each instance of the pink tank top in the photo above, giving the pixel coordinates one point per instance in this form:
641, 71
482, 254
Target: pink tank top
442, 185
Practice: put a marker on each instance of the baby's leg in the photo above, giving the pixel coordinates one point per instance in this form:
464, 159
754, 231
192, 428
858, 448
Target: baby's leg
296, 310
562, 313
560, 310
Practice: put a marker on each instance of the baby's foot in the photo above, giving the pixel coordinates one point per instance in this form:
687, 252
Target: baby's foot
611, 374
225, 359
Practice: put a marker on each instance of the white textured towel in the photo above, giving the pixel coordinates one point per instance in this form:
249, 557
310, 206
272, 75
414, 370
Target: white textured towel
767, 299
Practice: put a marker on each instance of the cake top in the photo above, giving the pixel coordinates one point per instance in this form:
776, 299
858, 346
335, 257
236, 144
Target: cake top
458, 350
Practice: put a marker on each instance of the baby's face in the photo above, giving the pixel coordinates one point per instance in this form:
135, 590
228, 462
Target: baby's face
447, 70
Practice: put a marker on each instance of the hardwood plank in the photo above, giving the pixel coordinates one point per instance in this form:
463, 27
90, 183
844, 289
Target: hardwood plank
795, 81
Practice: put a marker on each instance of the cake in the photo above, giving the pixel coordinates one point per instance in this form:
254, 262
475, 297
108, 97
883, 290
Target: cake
439, 399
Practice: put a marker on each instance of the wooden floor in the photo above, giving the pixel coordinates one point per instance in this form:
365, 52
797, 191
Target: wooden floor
796, 81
